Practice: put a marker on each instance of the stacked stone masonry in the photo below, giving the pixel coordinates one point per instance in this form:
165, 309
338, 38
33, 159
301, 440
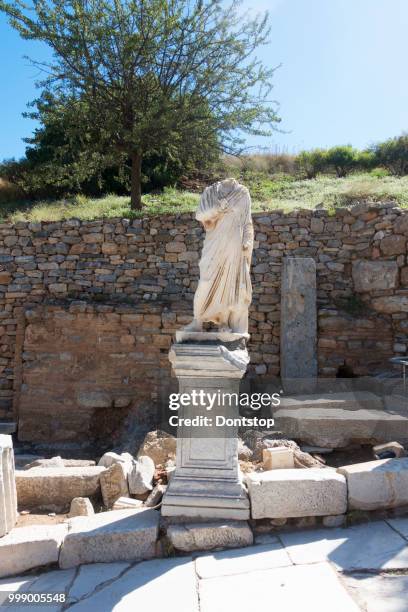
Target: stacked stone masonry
93, 305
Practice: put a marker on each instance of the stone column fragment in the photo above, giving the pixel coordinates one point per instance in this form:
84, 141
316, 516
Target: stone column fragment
8, 493
298, 325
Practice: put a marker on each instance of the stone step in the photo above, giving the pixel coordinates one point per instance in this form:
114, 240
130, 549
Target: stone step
117, 535
338, 427
8, 427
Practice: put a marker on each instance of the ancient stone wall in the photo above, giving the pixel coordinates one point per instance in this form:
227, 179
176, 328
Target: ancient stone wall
86, 305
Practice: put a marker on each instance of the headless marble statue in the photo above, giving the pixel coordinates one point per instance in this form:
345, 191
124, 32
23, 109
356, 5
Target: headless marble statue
224, 291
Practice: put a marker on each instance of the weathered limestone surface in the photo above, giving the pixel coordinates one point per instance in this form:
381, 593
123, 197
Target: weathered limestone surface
119, 535
8, 495
298, 325
374, 275
292, 493
53, 489
190, 537
25, 548
377, 484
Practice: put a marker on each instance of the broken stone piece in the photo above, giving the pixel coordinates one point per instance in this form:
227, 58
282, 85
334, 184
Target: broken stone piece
389, 450
54, 462
110, 458
155, 496
81, 506
140, 477
124, 503
114, 484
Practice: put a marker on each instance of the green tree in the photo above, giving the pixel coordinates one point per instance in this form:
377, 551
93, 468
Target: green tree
342, 159
393, 154
311, 163
145, 75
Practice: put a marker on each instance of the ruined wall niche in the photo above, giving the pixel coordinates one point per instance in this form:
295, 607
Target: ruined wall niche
151, 265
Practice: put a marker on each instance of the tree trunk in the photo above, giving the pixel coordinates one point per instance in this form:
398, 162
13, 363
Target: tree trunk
136, 187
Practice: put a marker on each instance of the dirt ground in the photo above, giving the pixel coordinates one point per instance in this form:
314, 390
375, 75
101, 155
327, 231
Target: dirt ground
25, 520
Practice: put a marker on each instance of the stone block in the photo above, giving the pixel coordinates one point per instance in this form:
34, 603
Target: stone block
8, 495
393, 245
25, 548
277, 458
298, 324
53, 489
390, 304
377, 484
293, 493
119, 535
127, 503
374, 275
190, 537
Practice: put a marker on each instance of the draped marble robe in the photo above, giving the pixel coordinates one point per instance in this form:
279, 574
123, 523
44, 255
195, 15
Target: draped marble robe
224, 291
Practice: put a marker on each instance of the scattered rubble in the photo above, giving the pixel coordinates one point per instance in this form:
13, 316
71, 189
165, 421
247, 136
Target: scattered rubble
155, 496
390, 450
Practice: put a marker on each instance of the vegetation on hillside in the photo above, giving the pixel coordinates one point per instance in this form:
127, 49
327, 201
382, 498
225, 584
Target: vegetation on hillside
283, 193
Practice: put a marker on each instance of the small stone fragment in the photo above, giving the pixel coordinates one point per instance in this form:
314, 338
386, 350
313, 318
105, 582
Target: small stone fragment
54, 462
81, 506
155, 496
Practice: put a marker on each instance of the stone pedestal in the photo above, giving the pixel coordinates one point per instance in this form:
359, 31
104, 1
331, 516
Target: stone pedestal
298, 325
207, 482
8, 494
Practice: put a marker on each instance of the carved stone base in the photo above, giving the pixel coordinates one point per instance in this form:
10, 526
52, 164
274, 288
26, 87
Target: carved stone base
207, 482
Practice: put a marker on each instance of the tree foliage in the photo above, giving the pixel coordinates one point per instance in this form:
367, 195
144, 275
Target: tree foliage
311, 163
342, 159
393, 154
148, 76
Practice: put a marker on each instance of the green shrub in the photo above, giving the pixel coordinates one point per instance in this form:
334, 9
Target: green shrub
393, 155
342, 160
311, 163
365, 160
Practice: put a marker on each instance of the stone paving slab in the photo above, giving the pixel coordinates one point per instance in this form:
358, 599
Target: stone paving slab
168, 584
94, 575
385, 593
240, 561
369, 546
310, 588
57, 581
400, 525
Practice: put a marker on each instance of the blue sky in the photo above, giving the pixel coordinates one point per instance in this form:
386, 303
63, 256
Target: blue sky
343, 79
